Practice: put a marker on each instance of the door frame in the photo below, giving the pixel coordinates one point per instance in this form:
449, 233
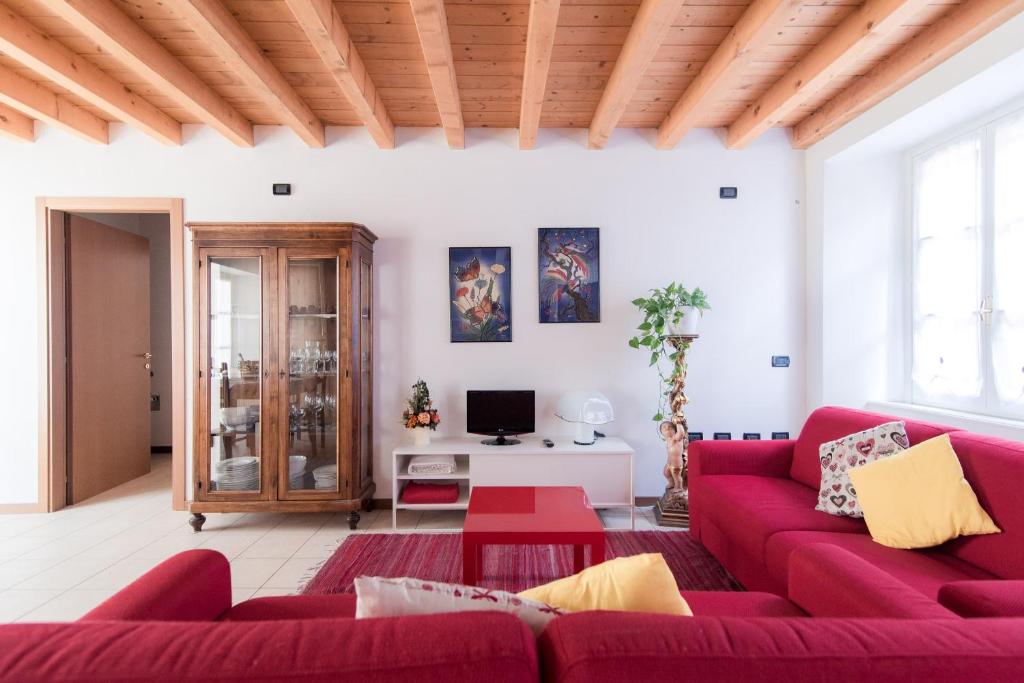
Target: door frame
53, 390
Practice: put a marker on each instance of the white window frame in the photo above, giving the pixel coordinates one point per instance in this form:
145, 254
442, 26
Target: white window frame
988, 403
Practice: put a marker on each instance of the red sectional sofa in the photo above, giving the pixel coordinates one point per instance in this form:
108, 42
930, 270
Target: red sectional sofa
752, 505
879, 614
176, 623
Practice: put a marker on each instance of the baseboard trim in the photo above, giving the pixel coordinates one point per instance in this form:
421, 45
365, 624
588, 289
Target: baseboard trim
382, 504
161, 449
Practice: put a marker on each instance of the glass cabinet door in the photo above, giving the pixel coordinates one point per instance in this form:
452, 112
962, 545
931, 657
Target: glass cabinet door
311, 339
235, 370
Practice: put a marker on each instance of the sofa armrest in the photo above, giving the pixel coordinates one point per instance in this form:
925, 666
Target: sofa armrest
758, 458
191, 586
829, 581
996, 598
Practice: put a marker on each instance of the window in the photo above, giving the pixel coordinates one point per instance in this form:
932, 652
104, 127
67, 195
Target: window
967, 336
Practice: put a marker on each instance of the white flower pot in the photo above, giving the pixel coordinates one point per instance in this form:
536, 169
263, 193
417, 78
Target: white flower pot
687, 326
421, 436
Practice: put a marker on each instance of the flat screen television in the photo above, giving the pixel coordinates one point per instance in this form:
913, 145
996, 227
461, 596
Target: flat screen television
501, 414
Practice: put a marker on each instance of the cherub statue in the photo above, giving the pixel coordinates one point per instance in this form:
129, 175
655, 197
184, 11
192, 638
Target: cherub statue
676, 441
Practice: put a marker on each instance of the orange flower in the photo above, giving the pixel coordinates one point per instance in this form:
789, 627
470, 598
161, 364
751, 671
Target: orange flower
411, 422
437, 419
424, 418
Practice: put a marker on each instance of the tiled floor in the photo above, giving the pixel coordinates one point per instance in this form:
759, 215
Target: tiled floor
56, 567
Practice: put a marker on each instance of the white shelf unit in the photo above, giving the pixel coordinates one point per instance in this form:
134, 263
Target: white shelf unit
604, 470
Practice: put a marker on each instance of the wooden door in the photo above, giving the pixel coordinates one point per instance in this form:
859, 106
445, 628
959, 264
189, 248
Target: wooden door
236, 422
108, 369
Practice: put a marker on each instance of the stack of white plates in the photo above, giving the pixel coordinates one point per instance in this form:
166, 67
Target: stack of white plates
326, 477
237, 474
296, 471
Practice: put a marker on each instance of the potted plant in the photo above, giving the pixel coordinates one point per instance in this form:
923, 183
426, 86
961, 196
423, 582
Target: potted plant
420, 416
673, 311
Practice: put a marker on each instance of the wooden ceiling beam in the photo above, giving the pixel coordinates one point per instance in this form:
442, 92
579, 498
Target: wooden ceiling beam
39, 102
651, 25
16, 126
754, 30
937, 43
24, 43
216, 26
117, 33
844, 45
540, 40
323, 26
432, 27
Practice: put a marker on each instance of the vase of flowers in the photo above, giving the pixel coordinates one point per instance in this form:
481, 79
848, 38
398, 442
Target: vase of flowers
420, 415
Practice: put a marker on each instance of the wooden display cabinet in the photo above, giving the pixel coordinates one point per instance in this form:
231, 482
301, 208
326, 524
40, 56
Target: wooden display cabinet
283, 362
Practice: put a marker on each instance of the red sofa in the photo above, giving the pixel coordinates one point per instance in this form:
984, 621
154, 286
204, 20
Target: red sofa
752, 505
176, 623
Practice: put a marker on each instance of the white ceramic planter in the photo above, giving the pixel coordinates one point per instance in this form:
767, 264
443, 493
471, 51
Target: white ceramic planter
687, 326
421, 436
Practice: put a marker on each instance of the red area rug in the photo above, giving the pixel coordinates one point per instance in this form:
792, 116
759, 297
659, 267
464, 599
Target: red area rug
438, 557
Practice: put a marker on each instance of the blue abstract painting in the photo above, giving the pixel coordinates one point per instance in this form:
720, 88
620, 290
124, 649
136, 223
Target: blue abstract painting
480, 289
570, 275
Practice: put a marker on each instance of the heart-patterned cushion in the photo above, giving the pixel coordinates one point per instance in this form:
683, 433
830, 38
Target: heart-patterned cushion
840, 456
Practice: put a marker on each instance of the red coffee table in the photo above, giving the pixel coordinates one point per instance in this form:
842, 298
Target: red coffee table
529, 515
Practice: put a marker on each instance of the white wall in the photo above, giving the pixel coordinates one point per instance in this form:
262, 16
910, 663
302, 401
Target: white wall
154, 227
660, 219
864, 258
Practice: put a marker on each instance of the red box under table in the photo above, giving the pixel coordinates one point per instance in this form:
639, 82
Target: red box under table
529, 515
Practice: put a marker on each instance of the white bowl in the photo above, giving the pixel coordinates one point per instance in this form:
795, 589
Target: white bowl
234, 417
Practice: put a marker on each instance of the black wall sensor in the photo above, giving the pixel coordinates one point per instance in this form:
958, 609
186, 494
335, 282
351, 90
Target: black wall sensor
282, 188
728, 193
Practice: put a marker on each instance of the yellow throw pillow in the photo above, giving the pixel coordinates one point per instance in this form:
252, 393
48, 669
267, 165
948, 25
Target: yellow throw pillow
642, 583
919, 498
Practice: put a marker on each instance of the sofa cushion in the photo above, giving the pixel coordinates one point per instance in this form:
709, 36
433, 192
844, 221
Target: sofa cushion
924, 570
829, 424
592, 647
740, 604
828, 581
995, 468
337, 606
482, 646
1002, 598
750, 509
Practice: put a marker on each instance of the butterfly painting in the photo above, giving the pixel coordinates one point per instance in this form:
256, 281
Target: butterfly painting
480, 289
570, 277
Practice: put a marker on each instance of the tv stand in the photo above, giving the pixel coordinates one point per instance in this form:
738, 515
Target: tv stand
604, 470
501, 441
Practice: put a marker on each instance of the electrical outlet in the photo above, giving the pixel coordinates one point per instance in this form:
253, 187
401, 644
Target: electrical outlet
282, 188
696, 436
780, 361
154, 403
728, 193
780, 435
751, 436
723, 436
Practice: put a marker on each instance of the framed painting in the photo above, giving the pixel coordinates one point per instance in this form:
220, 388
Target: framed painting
480, 289
570, 275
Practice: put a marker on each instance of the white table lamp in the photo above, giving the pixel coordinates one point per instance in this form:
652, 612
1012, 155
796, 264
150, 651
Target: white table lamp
586, 408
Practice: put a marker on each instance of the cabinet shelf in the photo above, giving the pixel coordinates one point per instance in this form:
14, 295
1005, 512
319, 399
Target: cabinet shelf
325, 316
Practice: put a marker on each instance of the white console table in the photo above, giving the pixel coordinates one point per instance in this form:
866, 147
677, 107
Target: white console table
604, 470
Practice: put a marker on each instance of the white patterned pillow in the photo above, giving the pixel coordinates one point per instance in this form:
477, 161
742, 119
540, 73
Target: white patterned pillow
837, 495
380, 597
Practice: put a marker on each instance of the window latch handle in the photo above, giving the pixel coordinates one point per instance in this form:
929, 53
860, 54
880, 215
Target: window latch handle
986, 310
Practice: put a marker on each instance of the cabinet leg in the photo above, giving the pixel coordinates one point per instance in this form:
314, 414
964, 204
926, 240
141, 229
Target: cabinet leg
196, 521
353, 519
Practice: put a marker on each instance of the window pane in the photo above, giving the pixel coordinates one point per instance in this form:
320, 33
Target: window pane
1008, 252
947, 286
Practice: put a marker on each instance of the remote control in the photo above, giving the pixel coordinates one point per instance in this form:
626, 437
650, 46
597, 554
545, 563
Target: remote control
549, 443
